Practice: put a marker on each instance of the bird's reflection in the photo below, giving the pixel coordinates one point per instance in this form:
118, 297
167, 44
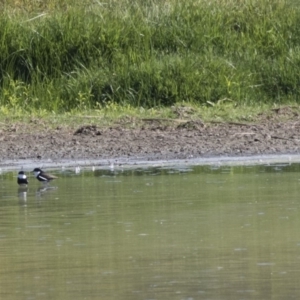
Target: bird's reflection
41, 191
22, 194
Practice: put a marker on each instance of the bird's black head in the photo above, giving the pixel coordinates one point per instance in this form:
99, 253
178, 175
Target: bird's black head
21, 173
37, 170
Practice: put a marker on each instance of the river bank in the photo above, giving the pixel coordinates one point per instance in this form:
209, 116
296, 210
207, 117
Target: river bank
151, 140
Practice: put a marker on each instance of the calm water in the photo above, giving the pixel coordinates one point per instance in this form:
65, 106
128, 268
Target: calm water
181, 233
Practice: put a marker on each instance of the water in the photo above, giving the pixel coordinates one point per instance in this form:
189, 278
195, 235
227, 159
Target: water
158, 233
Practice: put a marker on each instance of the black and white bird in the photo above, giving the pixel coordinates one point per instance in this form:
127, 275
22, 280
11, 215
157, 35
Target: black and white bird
42, 176
22, 179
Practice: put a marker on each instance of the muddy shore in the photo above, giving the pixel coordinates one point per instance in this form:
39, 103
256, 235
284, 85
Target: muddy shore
151, 140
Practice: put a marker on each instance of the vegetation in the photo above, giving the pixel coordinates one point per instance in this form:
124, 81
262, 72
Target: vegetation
73, 55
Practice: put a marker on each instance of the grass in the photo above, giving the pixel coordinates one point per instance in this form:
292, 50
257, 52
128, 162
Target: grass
137, 117
143, 57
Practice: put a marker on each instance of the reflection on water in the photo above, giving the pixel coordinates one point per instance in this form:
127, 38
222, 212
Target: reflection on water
183, 233
22, 194
45, 189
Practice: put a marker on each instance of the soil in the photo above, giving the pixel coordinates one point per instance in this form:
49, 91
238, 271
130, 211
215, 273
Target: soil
152, 139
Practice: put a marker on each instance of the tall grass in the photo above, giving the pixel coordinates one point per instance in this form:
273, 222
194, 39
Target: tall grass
64, 55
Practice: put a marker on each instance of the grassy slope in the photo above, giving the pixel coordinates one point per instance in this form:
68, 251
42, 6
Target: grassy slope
131, 58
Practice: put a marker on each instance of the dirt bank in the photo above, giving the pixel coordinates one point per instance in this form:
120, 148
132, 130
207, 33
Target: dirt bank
152, 139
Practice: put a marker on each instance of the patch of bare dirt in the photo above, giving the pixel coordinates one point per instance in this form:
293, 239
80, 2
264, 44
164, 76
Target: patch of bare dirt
90, 130
274, 133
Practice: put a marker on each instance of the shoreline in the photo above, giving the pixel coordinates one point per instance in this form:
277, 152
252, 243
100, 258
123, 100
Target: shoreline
118, 164
192, 142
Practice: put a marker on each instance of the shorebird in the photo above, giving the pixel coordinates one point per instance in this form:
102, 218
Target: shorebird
22, 179
42, 176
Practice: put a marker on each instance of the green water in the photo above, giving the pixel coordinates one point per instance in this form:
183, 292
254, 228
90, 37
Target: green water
181, 233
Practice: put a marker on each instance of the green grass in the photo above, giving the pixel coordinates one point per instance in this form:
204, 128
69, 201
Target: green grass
79, 56
137, 117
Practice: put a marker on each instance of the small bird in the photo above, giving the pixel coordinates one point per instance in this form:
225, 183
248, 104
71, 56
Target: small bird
22, 179
42, 176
